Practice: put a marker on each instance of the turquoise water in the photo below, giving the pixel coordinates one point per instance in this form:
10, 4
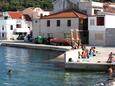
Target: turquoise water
32, 68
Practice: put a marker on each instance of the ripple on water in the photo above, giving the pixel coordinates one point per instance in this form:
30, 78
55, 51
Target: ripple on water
31, 68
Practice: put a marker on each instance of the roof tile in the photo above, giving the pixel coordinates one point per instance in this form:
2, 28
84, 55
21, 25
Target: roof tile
15, 15
66, 14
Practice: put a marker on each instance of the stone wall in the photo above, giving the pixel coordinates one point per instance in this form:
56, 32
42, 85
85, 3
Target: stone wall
110, 37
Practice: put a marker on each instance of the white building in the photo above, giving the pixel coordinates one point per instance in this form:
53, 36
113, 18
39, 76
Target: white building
101, 29
60, 24
35, 13
13, 24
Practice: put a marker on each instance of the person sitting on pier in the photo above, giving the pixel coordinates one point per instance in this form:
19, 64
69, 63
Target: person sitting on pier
84, 53
91, 52
94, 51
79, 54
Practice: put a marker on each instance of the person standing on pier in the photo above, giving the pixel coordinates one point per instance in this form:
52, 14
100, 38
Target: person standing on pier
111, 58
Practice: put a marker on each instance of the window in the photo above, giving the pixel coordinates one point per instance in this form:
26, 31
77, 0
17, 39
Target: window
36, 21
50, 34
48, 23
66, 35
41, 15
100, 21
16, 33
92, 22
11, 27
5, 17
58, 22
95, 11
2, 27
68, 23
18, 25
3, 35
81, 22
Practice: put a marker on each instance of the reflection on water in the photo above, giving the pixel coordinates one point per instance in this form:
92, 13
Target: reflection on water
14, 56
84, 78
31, 68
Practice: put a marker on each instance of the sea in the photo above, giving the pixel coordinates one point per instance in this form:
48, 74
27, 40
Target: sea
33, 67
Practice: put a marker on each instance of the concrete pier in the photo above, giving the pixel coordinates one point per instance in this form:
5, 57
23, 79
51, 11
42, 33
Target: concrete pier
36, 46
88, 66
95, 63
21, 44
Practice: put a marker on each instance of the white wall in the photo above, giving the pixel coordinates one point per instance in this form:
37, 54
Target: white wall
93, 39
7, 32
44, 13
97, 4
94, 30
110, 21
7, 27
36, 27
73, 54
24, 26
95, 27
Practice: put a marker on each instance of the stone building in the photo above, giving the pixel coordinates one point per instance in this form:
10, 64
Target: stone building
61, 23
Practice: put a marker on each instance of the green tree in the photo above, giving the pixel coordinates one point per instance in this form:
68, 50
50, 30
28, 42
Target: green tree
22, 4
104, 0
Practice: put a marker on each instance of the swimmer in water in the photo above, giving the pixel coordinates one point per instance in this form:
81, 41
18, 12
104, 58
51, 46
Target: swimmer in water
110, 71
9, 73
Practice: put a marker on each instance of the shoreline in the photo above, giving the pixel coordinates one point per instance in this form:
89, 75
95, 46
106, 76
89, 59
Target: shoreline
36, 46
101, 56
59, 59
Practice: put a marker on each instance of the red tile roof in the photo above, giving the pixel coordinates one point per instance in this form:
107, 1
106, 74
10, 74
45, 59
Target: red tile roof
19, 15
109, 9
1, 14
66, 14
109, 3
15, 15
